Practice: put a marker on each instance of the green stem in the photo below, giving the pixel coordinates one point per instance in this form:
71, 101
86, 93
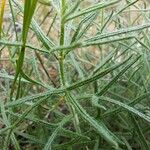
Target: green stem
18, 69
61, 65
62, 36
13, 18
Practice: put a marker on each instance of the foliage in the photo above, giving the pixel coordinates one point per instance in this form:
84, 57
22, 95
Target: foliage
80, 75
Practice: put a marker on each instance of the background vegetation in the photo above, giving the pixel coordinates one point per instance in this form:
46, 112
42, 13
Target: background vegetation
75, 74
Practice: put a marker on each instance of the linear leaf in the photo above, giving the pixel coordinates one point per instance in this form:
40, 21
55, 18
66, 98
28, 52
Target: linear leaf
126, 107
106, 134
91, 9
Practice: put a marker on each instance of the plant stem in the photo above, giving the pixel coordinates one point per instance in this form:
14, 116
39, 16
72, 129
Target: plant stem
61, 65
62, 36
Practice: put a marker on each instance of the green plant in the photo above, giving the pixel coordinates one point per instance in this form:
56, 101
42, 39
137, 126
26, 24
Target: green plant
85, 87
